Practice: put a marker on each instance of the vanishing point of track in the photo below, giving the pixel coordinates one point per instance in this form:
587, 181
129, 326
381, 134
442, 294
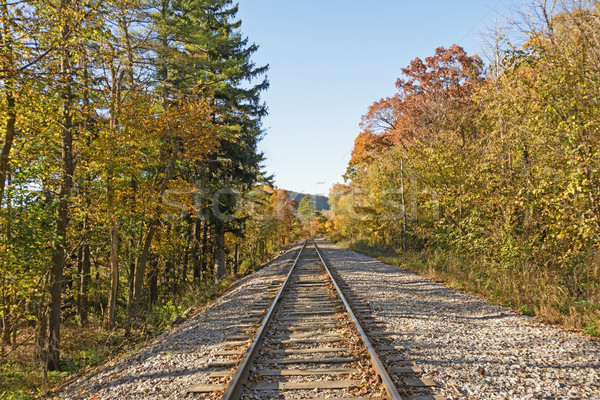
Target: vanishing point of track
308, 338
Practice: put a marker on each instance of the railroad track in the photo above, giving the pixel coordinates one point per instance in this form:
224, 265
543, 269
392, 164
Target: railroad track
309, 338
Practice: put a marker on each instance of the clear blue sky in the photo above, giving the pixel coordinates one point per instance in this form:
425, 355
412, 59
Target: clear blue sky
330, 59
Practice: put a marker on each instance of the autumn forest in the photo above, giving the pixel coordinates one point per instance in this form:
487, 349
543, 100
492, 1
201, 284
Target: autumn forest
486, 175
132, 186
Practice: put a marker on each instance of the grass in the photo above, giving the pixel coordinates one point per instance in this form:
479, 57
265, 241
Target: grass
17, 381
527, 289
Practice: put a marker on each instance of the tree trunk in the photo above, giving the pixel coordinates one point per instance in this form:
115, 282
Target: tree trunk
111, 310
235, 259
133, 244
140, 270
142, 261
196, 260
153, 285
51, 349
186, 255
11, 115
6, 320
404, 224
11, 118
84, 262
219, 251
84, 279
204, 267
131, 278
115, 109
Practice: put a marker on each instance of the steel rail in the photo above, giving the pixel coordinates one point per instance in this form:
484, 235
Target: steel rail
377, 364
234, 389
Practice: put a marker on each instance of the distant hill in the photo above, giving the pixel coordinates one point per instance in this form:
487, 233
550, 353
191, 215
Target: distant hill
320, 201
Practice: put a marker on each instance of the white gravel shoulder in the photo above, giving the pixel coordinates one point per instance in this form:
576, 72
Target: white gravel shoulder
175, 360
471, 348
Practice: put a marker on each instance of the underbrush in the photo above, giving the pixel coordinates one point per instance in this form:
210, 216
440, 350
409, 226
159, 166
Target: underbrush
525, 288
83, 348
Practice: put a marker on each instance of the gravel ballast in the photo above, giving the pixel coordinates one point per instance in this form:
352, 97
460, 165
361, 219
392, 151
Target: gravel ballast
472, 349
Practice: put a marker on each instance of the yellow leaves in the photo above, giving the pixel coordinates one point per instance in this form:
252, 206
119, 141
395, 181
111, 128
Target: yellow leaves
190, 119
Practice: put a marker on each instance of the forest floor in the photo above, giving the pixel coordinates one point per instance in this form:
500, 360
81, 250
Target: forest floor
82, 347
